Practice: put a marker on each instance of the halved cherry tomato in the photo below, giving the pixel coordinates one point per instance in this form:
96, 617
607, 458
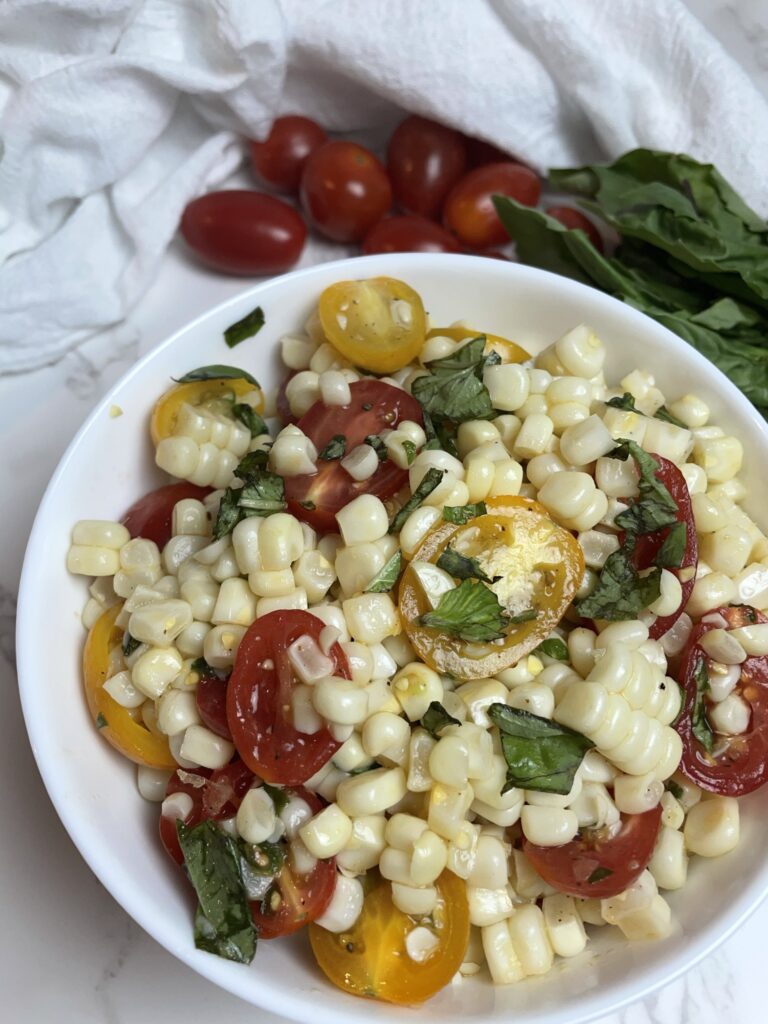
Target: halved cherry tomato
540, 566
375, 406
408, 234
576, 219
296, 899
280, 158
738, 764
117, 725
613, 862
371, 959
469, 211
379, 324
211, 696
344, 190
424, 161
509, 351
259, 710
151, 517
215, 395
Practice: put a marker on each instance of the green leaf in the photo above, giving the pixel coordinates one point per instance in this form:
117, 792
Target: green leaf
540, 240
410, 451
379, 447
700, 726
436, 718
263, 858
130, 644
249, 418
649, 484
540, 754
670, 554
216, 371
599, 874
251, 465
553, 648
309, 505
223, 923
620, 593
454, 390
627, 401
461, 567
262, 494
664, 414
674, 788
470, 611
461, 514
101, 721
278, 796
245, 328
525, 616
335, 449
429, 482
387, 576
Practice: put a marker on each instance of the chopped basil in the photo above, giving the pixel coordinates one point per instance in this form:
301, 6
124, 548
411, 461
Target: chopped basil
454, 389
387, 576
649, 485
335, 449
101, 722
201, 666
599, 874
470, 611
130, 644
217, 371
700, 726
461, 567
249, 418
540, 754
310, 506
627, 402
278, 796
553, 648
670, 554
251, 464
262, 494
525, 616
674, 788
429, 482
245, 328
223, 922
263, 858
440, 434
436, 718
664, 414
461, 514
410, 451
378, 446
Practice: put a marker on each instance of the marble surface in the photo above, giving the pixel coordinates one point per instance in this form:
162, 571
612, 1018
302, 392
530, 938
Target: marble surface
68, 952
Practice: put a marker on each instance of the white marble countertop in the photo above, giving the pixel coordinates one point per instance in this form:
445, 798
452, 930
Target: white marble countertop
68, 952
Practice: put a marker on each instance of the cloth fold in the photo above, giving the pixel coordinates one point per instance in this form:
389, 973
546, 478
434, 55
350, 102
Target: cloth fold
115, 113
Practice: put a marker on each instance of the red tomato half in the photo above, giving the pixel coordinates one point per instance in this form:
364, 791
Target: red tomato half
408, 234
469, 212
741, 763
211, 696
375, 406
151, 516
295, 899
344, 190
259, 700
280, 158
618, 861
576, 219
424, 161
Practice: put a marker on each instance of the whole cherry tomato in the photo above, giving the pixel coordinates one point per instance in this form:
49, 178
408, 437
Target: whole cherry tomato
344, 190
408, 234
151, 516
480, 152
280, 158
576, 219
469, 211
424, 161
244, 232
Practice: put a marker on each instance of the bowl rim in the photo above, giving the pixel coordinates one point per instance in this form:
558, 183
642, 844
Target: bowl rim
590, 1005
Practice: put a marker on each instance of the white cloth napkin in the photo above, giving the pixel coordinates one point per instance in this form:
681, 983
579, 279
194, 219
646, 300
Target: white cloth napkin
116, 112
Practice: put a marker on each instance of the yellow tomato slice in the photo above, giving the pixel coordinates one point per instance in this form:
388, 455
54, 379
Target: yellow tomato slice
378, 324
115, 723
509, 351
195, 393
540, 565
372, 960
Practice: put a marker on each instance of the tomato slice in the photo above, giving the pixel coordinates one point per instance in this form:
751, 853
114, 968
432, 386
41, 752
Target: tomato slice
375, 406
259, 700
739, 764
371, 959
211, 696
378, 324
539, 565
509, 351
613, 862
215, 394
151, 517
116, 724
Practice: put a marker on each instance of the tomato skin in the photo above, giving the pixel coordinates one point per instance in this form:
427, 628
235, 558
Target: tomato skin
576, 219
408, 234
243, 232
260, 687
151, 516
469, 212
280, 158
568, 868
742, 767
424, 161
480, 153
344, 190
331, 488
211, 697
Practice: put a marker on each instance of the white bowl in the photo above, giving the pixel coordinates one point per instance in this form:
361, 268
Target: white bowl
109, 464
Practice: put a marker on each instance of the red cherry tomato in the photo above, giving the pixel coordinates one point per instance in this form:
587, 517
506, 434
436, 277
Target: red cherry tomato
738, 764
424, 161
259, 700
280, 158
375, 406
469, 212
344, 190
576, 219
296, 899
244, 232
618, 860
211, 696
151, 516
408, 234
480, 153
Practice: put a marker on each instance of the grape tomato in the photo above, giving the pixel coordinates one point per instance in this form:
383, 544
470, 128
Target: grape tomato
344, 190
424, 161
469, 212
279, 159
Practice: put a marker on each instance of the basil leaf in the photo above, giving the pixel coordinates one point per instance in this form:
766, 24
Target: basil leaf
470, 611
525, 616
410, 451
461, 567
130, 644
278, 796
540, 754
262, 494
217, 371
249, 418
700, 726
245, 328
429, 482
670, 554
379, 447
664, 414
387, 576
645, 516
436, 718
599, 874
674, 788
251, 465
649, 484
553, 648
621, 593
263, 858
461, 514
454, 389
101, 721
626, 401
223, 923
335, 449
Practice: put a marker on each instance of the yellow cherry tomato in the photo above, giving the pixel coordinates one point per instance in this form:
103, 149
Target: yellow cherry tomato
211, 393
114, 722
509, 351
378, 324
539, 566
371, 959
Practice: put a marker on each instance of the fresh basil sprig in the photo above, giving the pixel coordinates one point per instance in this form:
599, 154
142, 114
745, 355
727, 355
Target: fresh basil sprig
216, 371
245, 328
700, 726
387, 576
429, 482
470, 612
540, 754
436, 718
